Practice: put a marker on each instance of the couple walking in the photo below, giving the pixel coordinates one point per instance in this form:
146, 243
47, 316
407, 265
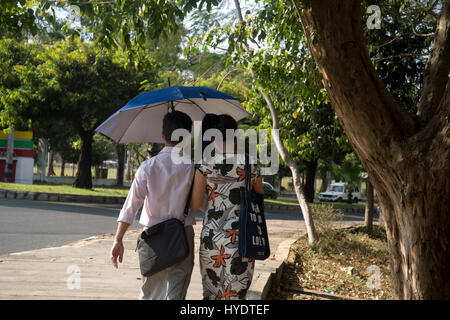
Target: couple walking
162, 186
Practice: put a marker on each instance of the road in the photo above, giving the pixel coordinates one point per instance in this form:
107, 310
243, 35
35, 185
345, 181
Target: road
28, 225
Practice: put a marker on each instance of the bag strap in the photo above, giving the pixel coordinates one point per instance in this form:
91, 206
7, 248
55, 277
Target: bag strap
247, 169
188, 201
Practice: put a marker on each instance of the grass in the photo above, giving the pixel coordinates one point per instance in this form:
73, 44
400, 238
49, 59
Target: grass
69, 172
114, 191
322, 268
292, 202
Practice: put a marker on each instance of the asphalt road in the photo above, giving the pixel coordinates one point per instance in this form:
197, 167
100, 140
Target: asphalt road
28, 225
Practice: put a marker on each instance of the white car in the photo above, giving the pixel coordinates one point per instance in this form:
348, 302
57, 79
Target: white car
338, 192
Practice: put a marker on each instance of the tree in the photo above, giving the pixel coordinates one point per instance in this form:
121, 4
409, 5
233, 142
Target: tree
406, 155
78, 84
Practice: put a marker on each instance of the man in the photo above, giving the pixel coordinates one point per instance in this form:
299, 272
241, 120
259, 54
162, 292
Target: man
162, 187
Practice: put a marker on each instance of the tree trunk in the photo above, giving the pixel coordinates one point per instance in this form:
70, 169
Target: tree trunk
9, 158
298, 187
63, 167
407, 156
43, 149
368, 212
311, 168
129, 165
324, 178
51, 170
121, 163
83, 178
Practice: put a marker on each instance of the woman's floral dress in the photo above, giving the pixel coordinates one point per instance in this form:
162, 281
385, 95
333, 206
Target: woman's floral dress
225, 275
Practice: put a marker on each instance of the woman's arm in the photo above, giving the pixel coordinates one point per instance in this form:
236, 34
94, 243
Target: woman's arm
198, 191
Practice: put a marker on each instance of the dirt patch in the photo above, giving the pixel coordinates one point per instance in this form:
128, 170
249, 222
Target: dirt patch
350, 264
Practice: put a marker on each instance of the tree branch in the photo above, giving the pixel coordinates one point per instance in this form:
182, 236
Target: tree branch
413, 33
366, 109
400, 55
228, 73
437, 68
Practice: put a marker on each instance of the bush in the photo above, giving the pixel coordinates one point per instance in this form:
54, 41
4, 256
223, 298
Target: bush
325, 217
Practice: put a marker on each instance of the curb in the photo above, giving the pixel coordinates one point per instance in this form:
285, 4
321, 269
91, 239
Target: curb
270, 273
59, 197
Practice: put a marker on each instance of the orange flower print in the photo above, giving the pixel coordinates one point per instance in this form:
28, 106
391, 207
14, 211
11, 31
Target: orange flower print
220, 259
213, 194
232, 233
229, 293
207, 172
219, 295
241, 173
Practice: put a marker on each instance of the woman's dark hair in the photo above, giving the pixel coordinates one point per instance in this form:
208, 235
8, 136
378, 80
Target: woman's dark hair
175, 120
226, 122
220, 122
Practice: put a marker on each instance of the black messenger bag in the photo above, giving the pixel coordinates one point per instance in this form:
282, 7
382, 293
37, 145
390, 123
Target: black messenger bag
163, 244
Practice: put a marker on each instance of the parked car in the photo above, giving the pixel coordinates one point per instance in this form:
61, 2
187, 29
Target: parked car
338, 192
269, 191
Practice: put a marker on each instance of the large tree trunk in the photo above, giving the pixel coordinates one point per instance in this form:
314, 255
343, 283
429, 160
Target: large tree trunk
311, 168
83, 178
368, 212
407, 156
120, 163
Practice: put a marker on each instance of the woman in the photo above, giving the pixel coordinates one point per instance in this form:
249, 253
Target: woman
225, 274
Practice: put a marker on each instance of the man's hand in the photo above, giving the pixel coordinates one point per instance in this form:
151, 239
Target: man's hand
117, 251
117, 248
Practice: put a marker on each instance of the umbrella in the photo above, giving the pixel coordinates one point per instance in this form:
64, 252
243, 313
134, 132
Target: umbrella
140, 120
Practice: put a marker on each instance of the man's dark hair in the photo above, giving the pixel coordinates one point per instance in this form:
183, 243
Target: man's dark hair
175, 120
209, 121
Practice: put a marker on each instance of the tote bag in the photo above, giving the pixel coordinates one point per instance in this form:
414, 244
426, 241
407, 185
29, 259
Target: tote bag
253, 237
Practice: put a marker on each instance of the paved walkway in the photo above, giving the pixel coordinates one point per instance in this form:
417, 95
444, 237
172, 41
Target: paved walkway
82, 270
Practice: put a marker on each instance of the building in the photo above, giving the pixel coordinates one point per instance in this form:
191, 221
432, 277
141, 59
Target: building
23, 156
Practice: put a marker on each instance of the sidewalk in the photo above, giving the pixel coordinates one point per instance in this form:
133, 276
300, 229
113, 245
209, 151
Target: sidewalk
53, 273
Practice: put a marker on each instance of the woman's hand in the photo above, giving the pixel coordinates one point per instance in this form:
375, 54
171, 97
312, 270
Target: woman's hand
258, 185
